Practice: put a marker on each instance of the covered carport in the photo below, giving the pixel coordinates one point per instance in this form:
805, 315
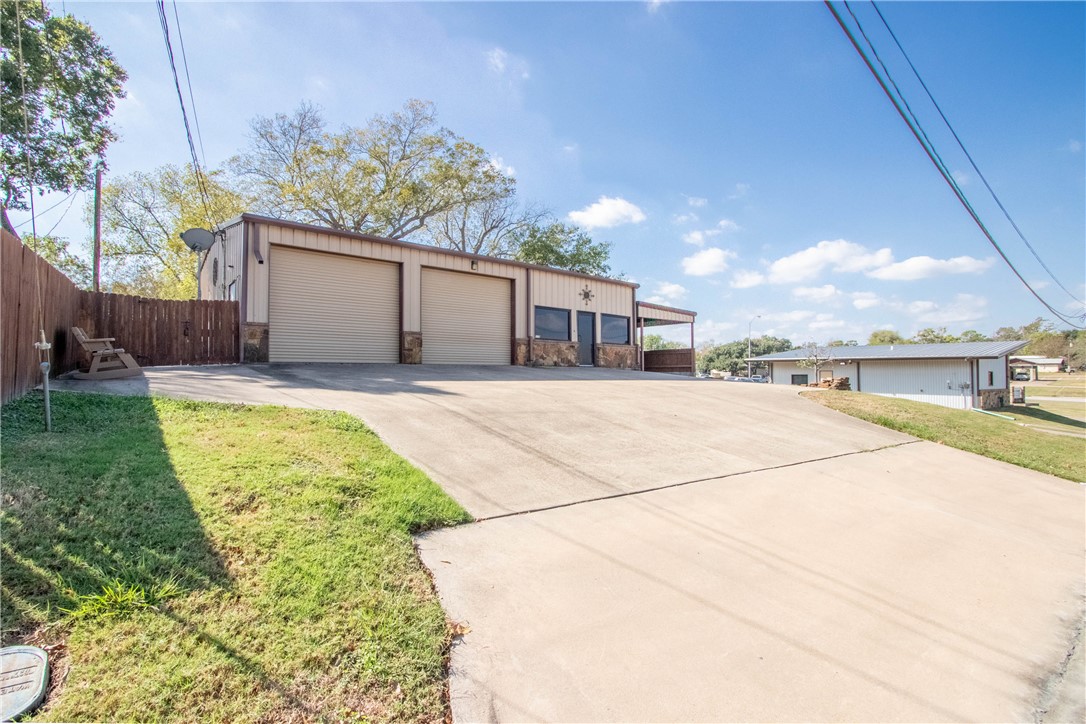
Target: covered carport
675, 361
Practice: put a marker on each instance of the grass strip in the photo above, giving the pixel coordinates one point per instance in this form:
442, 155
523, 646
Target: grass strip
981, 434
190, 561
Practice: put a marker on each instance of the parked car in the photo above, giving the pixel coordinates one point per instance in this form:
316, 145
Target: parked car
758, 378
1021, 376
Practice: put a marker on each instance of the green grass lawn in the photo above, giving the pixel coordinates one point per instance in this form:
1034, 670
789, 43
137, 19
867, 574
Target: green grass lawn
1060, 416
191, 561
982, 434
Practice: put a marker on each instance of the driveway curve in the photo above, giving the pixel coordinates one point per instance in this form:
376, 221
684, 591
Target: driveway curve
655, 548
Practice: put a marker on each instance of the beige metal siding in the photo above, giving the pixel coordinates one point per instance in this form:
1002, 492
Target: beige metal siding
554, 289
465, 318
332, 308
939, 382
998, 368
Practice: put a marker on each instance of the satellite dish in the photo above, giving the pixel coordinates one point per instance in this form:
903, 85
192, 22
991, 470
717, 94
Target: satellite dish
198, 239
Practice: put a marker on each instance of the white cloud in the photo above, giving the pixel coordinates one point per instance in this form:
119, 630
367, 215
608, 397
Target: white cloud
964, 308
496, 58
798, 315
826, 321
709, 330
961, 177
607, 212
922, 267
1074, 146
741, 190
865, 300
698, 238
498, 164
654, 5
570, 148
727, 225
685, 218
746, 279
696, 201
816, 294
707, 262
840, 255
667, 293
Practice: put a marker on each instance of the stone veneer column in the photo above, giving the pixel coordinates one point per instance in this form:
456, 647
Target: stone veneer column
255, 342
411, 348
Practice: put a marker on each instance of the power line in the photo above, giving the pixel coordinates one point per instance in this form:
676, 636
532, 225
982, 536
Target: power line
918, 133
204, 195
188, 81
46, 211
969, 156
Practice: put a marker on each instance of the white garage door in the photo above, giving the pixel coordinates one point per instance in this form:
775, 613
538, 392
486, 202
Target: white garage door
465, 318
332, 308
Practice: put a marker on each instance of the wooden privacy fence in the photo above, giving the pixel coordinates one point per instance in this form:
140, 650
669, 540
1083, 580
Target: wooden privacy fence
680, 361
154, 331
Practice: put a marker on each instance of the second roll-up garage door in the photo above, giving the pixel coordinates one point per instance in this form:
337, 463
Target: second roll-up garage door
465, 318
332, 308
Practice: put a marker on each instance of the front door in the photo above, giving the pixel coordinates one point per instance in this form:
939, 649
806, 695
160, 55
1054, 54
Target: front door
586, 337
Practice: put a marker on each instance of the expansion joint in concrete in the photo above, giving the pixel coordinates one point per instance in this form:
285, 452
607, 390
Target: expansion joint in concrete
629, 493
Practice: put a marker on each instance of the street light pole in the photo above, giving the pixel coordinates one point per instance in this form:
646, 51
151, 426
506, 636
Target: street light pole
757, 316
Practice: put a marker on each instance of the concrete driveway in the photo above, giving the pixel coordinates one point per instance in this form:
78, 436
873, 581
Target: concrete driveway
665, 549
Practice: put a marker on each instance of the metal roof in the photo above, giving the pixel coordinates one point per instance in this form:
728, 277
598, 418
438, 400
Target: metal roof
954, 350
1035, 360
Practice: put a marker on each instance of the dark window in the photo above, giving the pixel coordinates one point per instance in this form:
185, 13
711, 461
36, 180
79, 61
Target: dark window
991, 378
551, 323
614, 329
799, 379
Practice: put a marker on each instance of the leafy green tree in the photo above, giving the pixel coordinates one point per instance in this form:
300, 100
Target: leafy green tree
933, 336
143, 215
843, 343
58, 87
390, 178
565, 247
886, 336
731, 357
54, 250
972, 335
655, 341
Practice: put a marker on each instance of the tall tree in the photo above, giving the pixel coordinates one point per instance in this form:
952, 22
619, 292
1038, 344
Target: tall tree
886, 336
655, 341
732, 356
143, 215
816, 357
932, 335
390, 178
565, 247
54, 250
58, 87
493, 226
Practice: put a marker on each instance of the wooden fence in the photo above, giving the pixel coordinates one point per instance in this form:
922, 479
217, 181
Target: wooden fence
36, 296
679, 361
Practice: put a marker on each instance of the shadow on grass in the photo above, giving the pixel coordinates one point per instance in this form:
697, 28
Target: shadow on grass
93, 502
1042, 415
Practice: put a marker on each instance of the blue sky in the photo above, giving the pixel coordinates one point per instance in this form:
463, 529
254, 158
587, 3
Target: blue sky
739, 156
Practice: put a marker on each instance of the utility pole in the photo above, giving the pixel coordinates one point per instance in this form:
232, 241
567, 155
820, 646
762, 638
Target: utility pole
97, 224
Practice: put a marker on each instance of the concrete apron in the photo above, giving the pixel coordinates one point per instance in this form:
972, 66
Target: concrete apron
915, 583
895, 580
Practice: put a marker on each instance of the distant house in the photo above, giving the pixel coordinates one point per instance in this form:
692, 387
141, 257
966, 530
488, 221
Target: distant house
961, 375
1035, 365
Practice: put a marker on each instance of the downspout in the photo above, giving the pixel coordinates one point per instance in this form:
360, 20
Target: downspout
693, 357
858, 375
243, 302
529, 319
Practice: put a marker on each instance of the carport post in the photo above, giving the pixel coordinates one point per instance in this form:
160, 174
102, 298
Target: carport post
693, 357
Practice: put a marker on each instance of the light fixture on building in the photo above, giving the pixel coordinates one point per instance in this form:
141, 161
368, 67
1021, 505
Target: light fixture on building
475, 265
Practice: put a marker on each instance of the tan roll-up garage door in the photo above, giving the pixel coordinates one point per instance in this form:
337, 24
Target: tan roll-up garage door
332, 308
465, 318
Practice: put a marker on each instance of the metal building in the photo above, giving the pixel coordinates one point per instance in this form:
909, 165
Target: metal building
959, 375
311, 294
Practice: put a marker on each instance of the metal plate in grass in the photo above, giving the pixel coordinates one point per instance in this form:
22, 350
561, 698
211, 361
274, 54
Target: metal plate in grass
24, 672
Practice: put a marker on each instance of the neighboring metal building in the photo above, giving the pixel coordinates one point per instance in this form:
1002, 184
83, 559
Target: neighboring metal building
1035, 364
960, 375
311, 294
